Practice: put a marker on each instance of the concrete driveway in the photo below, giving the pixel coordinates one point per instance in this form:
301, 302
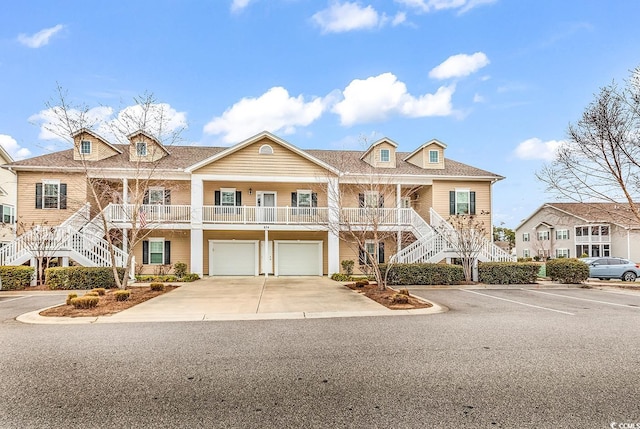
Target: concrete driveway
241, 298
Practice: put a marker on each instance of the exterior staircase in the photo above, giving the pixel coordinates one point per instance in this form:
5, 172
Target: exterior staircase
434, 242
76, 238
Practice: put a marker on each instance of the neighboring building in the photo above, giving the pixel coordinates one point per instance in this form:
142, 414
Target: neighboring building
261, 206
573, 230
8, 192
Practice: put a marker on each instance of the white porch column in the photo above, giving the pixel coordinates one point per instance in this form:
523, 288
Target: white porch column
125, 240
33, 262
266, 257
65, 261
125, 190
197, 235
398, 196
333, 238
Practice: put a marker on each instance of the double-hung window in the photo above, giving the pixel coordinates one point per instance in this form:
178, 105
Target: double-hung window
227, 197
525, 236
385, 155
304, 199
543, 235
85, 147
141, 148
433, 157
462, 202
8, 214
156, 196
51, 194
156, 251
562, 234
371, 199
562, 253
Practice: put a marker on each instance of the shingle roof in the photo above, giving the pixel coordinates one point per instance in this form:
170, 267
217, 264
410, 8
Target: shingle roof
182, 157
617, 213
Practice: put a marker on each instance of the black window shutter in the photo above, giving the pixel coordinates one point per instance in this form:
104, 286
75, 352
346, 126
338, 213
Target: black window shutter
238, 198
38, 195
381, 252
452, 202
167, 197
294, 199
362, 257
314, 199
216, 198
63, 195
2, 214
472, 203
145, 199
381, 201
167, 252
361, 200
145, 252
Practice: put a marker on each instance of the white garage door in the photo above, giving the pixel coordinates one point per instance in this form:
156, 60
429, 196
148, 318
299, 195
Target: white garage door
299, 258
233, 258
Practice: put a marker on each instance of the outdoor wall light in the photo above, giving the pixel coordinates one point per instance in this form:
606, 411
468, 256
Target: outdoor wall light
250, 191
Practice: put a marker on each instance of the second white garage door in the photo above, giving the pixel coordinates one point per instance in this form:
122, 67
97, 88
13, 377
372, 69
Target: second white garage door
298, 258
233, 257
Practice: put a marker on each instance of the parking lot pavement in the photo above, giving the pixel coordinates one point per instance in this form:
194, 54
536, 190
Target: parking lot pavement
570, 302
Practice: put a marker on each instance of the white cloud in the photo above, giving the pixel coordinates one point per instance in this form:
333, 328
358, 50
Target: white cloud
273, 111
40, 38
477, 98
13, 148
399, 18
102, 120
347, 16
535, 148
459, 66
377, 97
425, 6
238, 5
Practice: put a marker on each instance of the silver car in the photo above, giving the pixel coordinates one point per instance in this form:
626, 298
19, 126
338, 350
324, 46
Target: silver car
612, 268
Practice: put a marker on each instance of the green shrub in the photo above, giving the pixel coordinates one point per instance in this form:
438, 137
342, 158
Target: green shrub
16, 278
70, 297
81, 277
99, 290
525, 259
191, 277
339, 277
423, 274
122, 295
404, 291
399, 298
156, 287
567, 270
85, 301
506, 273
92, 294
180, 269
347, 266
168, 278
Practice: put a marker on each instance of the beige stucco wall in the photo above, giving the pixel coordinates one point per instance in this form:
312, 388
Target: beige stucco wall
259, 235
248, 162
28, 214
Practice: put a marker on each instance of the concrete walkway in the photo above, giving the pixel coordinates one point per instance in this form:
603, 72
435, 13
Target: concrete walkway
245, 298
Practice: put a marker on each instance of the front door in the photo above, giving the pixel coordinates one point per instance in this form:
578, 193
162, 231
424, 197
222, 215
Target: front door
266, 206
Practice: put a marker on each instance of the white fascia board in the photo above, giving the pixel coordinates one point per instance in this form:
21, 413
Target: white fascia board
277, 179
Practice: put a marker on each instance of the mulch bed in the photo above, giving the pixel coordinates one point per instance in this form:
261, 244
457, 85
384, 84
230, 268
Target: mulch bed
108, 304
385, 297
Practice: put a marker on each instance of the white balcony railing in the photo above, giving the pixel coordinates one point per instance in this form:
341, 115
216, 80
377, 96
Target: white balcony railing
265, 215
151, 213
588, 239
367, 216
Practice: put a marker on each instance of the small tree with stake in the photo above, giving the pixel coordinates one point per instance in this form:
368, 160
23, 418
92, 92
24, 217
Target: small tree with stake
467, 238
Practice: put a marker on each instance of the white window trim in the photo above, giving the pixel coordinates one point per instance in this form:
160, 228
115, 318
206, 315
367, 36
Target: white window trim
388, 152
82, 142
156, 189
375, 248
526, 253
265, 149
46, 182
526, 236
375, 196
468, 192
304, 191
562, 234
542, 234
12, 214
564, 251
227, 190
140, 144
431, 151
156, 240
405, 202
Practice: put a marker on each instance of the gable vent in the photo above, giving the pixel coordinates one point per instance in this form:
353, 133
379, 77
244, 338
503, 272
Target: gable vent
265, 149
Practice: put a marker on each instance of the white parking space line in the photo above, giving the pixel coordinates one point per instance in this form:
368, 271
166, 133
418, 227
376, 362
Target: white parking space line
2, 301
518, 302
586, 299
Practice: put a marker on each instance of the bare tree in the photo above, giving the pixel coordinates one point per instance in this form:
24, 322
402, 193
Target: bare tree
468, 237
42, 241
146, 116
601, 159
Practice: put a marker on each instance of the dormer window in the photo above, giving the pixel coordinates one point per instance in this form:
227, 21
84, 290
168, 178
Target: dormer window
85, 147
265, 149
141, 148
385, 155
434, 156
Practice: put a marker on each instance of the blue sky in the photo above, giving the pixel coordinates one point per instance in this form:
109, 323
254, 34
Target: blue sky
498, 81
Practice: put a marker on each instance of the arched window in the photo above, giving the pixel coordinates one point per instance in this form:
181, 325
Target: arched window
265, 149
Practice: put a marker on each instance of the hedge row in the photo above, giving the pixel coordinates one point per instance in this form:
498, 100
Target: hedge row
191, 277
567, 270
508, 272
423, 274
15, 277
81, 277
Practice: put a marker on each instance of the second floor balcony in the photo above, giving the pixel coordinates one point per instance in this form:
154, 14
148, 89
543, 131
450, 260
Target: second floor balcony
156, 215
